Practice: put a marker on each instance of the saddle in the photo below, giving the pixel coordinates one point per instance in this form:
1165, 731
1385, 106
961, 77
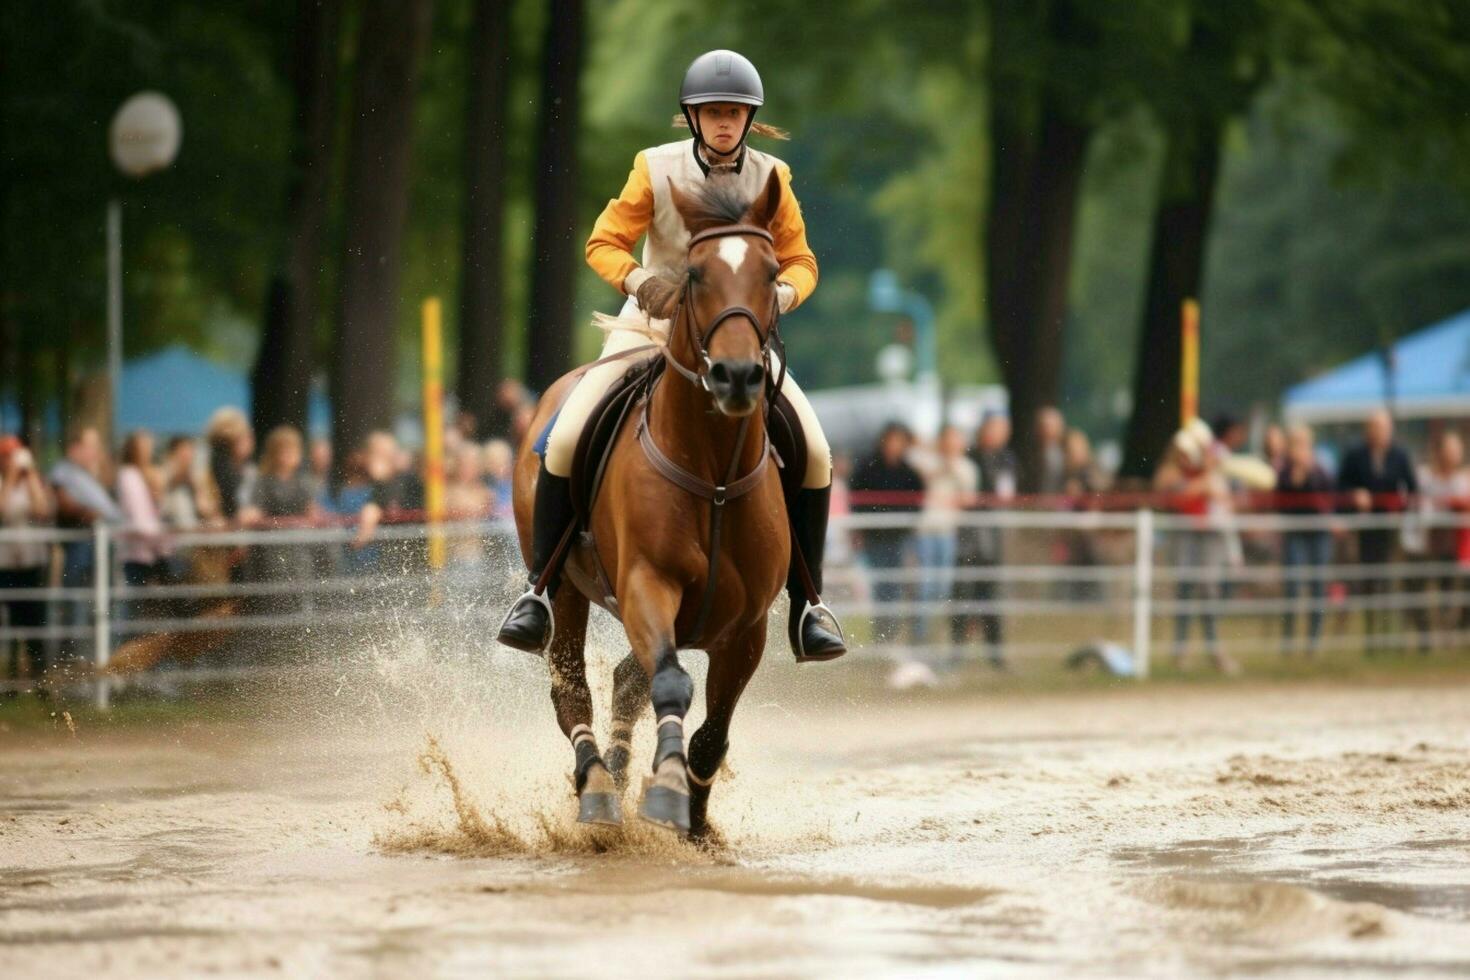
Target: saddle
600, 435
595, 444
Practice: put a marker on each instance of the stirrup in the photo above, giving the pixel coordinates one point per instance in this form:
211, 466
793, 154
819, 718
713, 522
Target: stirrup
540, 599
819, 607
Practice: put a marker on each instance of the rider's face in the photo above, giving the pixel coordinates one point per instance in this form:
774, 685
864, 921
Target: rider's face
722, 124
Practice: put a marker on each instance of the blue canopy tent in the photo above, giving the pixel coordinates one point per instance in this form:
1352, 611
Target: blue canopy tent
175, 391
1427, 376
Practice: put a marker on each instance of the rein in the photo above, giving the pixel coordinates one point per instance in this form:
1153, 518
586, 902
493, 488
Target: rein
718, 494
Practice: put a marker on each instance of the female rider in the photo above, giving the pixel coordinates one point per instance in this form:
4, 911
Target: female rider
719, 98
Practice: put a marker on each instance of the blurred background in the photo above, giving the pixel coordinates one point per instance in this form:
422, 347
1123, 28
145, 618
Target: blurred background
1022, 210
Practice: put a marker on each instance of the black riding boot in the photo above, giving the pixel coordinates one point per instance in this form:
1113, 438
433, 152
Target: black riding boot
814, 632
528, 626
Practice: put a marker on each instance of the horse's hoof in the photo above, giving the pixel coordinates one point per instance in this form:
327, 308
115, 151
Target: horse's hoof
602, 809
667, 808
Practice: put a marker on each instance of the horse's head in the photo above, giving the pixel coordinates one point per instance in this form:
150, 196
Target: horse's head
730, 306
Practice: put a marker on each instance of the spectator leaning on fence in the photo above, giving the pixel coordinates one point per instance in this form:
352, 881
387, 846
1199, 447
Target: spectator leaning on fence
81, 500
1049, 475
1303, 490
141, 545
1274, 447
24, 504
280, 499
468, 500
1376, 477
951, 482
885, 484
499, 467
1444, 489
385, 498
983, 548
231, 446
1081, 482
319, 471
1199, 552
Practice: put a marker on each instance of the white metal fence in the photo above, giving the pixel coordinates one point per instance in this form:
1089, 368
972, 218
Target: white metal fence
1003, 584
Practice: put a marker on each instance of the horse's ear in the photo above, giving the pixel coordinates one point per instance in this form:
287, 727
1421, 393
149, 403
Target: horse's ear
762, 211
684, 205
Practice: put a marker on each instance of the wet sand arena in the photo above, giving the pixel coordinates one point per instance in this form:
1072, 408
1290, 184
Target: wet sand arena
416, 819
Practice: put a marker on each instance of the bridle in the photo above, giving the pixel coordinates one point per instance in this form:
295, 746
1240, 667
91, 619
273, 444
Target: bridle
731, 488
700, 339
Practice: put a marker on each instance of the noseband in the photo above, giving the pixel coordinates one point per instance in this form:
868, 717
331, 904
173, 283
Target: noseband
699, 377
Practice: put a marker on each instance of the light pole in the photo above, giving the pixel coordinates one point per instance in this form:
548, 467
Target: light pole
143, 138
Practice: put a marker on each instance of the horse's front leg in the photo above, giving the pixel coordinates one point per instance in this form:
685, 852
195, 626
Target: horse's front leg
597, 797
731, 666
649, 619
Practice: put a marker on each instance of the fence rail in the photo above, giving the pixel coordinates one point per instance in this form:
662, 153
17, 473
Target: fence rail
1010, 583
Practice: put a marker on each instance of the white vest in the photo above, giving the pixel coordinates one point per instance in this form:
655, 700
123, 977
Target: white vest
667, 242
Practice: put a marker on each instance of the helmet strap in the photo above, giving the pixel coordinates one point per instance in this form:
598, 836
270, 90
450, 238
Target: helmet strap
691, 118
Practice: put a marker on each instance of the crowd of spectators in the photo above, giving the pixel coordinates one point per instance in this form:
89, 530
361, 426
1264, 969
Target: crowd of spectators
929, 554
153, 500
938, 577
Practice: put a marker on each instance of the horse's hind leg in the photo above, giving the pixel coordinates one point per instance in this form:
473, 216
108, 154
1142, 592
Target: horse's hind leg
597, 798
629, 701
730, 668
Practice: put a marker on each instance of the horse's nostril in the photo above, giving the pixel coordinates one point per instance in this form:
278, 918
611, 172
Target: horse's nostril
755, 375
719, 373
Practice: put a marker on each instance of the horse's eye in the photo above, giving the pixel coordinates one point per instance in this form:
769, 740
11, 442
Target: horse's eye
694, 275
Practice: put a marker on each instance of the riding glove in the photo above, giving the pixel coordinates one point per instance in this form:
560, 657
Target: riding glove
658, 297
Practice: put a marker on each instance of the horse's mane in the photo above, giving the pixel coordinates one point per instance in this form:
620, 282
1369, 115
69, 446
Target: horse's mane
718, 201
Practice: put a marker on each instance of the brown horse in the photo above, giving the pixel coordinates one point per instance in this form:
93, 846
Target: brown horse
653, 536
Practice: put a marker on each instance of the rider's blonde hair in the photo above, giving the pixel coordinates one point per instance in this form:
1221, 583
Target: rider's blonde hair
759, 129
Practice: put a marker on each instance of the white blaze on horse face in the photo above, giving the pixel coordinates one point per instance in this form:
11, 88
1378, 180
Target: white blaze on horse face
732, 251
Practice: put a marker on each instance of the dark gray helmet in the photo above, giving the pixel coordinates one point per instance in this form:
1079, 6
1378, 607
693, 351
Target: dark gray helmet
722, 76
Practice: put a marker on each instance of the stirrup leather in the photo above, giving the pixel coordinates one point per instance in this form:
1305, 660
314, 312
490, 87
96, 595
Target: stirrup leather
540, 599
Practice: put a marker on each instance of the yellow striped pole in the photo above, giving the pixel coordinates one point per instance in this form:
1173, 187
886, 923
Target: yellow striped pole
1189, 361
433, 370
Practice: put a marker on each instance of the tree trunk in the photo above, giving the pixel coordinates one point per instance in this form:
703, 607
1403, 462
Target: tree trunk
281, 381
553, 277
1176, 272
1033, 371
364, 359
482, 287
1037, 153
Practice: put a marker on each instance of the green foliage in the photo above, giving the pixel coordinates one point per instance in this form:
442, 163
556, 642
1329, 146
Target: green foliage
1341, 218
198, 237
1306, 270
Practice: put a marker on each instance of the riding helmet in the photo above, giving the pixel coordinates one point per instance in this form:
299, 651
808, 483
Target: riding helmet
721, 76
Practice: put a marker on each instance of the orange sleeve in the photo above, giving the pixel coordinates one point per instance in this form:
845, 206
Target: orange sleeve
621, 224
798, 264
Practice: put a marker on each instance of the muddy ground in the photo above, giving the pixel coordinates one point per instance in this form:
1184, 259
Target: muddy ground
412, 816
